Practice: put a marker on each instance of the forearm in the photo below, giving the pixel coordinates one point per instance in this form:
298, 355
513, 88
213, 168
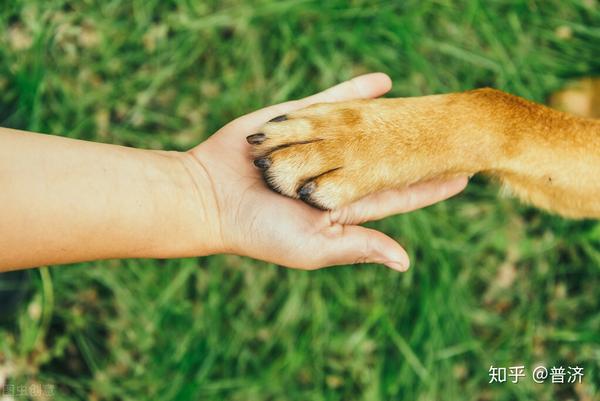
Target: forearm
65, 200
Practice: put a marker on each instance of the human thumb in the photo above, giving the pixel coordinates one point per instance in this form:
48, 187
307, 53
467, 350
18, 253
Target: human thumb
349, 244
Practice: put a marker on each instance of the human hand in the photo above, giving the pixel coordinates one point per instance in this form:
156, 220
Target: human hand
257, 222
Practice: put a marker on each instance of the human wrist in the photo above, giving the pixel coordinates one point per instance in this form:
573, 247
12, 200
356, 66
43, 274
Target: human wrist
202, 211
179, 218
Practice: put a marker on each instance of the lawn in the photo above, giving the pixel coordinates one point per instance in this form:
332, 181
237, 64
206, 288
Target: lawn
493, 282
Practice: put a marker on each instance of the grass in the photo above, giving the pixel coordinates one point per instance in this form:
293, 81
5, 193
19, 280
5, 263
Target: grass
493, 282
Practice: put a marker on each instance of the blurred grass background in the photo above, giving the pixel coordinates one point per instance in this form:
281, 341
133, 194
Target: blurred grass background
493, 282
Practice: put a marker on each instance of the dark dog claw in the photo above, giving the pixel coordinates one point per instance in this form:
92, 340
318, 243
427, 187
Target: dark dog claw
256, 139
278, 119
306, 190
262, 163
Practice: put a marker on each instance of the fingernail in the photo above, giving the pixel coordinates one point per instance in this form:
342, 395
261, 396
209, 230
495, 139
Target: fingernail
256, 139
278, 119
397, 259
398, 266
263, 163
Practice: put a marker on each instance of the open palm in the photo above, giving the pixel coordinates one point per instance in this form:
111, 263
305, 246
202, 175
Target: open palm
257, 222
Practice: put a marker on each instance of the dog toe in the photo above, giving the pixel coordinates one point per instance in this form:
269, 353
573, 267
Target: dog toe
319, 155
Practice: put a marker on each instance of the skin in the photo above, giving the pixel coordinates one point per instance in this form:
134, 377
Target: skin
66, 201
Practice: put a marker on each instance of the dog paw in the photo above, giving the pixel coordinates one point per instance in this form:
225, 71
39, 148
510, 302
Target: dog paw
331, 154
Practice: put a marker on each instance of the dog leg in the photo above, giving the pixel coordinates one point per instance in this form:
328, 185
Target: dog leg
334, 153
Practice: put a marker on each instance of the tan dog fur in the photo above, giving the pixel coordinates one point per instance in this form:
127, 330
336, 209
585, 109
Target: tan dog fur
334, 153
